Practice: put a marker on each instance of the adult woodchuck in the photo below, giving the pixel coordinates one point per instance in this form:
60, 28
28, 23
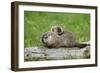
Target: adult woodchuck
57, 38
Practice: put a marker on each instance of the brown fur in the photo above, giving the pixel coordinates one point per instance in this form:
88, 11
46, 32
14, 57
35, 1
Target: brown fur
57, 38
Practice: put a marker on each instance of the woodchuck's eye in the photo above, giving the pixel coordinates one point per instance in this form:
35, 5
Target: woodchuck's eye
45, 37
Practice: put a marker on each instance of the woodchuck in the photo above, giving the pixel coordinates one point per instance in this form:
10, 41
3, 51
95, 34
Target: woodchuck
57, 38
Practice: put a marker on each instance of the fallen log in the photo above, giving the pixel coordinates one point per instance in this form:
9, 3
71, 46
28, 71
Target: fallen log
42, 53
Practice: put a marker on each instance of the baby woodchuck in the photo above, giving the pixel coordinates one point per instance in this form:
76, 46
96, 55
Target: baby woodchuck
57, 38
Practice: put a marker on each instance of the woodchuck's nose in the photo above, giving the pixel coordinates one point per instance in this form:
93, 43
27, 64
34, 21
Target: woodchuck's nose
42, 39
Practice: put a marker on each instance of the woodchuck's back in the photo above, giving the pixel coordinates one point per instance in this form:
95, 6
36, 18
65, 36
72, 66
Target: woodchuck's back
68, 39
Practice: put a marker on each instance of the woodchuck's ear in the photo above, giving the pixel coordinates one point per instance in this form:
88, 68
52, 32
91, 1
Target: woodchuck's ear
57, 30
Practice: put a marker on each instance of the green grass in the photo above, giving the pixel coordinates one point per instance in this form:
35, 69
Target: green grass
36, 23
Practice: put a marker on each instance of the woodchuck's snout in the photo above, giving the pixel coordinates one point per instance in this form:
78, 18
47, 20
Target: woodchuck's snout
44, 38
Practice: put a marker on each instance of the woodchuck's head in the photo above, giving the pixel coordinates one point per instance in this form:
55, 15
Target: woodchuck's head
49, 38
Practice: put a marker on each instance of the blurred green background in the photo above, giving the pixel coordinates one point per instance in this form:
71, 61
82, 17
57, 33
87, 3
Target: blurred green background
37, 23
